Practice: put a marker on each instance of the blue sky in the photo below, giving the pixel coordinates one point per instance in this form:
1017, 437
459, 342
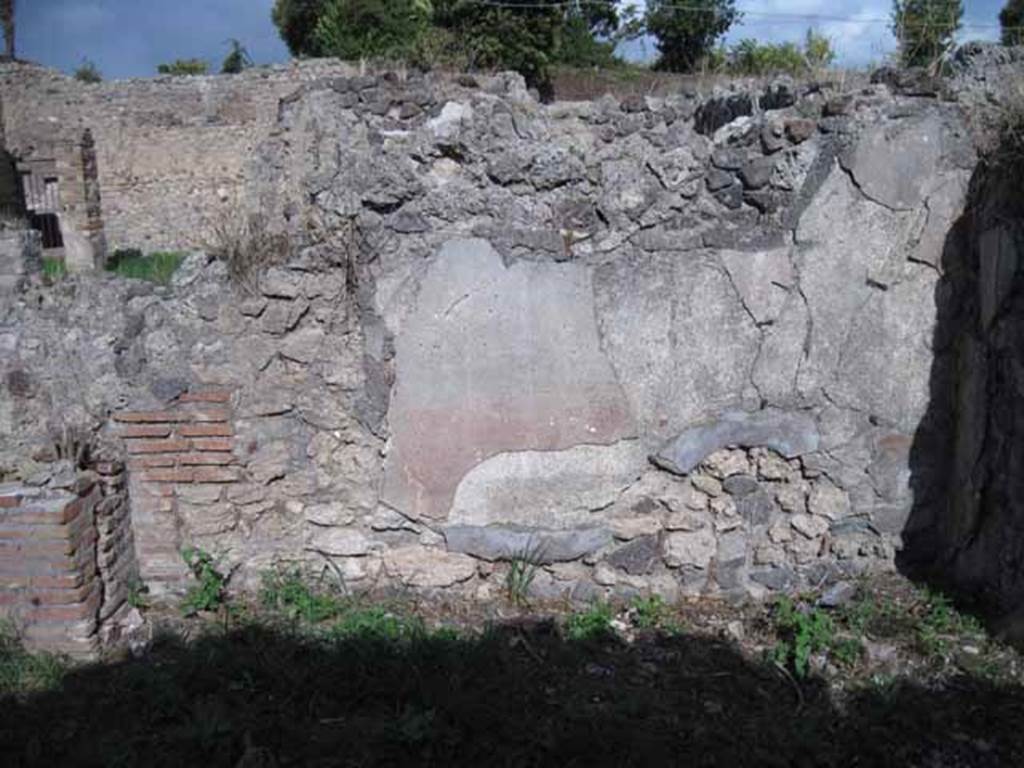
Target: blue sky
128, 38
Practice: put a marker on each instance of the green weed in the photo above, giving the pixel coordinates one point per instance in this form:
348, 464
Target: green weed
649, 612
803, 631
23, 672
54, 269
376, 622
209, 594
289, 593
522, 569
941, 624
137, 594
156, 267
591, 624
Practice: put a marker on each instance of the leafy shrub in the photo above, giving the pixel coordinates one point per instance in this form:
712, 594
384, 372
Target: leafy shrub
237, 60
209, 594
818, 50
356, 29
803, 631
88, 72
941, 622
649, 612
290, 593
592, 624
184, 67
1011, 19
925, 29
156, 267
376, 622
754, 58
296, 22
750, 57
686, 34
522, 35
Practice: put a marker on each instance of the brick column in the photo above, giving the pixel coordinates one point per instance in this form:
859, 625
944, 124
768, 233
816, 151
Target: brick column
189, 443
49, 586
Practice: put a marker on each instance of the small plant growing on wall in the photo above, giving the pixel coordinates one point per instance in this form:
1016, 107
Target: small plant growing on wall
522, 570
184, 67
209, 593
88, 72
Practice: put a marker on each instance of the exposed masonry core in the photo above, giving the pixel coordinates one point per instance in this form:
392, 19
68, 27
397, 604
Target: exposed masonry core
724, 344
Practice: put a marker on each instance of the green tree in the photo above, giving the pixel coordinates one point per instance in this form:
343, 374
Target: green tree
237, 59
1011, 18
592, 31
296, 22
184, 67
686, 34
88, 72
818, 49
925, 28
355, 29
524, 35
7, 20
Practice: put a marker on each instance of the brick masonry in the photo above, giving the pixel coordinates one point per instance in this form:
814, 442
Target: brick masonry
65, 556
188, 445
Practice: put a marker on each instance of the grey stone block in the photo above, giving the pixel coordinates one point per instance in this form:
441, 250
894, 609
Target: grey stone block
790, 433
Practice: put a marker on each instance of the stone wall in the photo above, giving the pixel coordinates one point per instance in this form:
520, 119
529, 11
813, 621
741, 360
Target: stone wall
170, 151
20, 257
683, 345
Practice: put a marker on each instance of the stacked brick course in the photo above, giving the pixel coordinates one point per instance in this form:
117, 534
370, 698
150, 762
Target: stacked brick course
190, 443
115, 544
49, 584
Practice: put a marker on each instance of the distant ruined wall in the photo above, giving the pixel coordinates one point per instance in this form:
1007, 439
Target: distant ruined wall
170, 151
690, 345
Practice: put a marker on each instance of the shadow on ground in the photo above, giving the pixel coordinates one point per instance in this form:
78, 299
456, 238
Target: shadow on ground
514, 696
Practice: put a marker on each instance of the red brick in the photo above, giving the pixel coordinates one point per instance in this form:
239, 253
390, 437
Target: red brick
158, 446
66, 596
209, 458
30, 568
213, 444
8, 502
51, 512
210, 414
214, 475
207, 396
167, 476
154, 504
146, 430
150, 417
69, 531
148, 462
74, 612
205, 430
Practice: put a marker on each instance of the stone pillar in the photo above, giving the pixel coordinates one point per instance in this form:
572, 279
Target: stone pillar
81, 217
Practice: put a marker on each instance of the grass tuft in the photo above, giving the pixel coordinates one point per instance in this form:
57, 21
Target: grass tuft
22, 672
54, 269
157, 267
